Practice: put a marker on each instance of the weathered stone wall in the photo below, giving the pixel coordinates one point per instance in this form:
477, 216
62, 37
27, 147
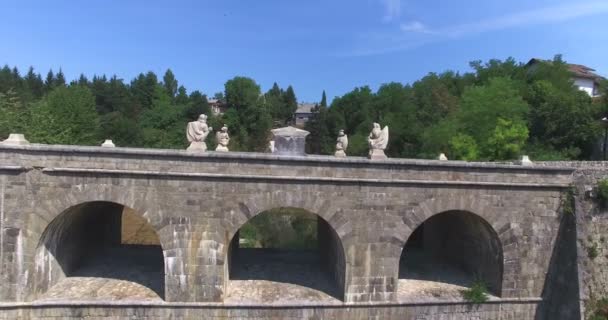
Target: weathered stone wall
469, 242
196, 203
332, 252
591, 231
504, 310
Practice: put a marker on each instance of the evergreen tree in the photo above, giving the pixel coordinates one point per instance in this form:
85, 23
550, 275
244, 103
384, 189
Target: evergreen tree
60, 79
290, 106
49, 83
34, 83
170, 83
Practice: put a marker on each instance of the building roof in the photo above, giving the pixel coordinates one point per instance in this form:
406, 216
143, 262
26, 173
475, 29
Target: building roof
582, 71
305, 107
578, 70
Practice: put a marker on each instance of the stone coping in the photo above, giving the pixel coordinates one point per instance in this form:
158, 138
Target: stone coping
301, 178
254, 156
219, 305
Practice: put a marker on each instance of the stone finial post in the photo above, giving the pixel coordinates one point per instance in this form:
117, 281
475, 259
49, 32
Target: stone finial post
15, 139
108, 144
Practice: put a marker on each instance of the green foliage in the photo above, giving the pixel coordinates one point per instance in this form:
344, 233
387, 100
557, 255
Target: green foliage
66, 116
568, 202
283, 228
597, 309
248, 113
508, 139
464, 147
14, 117
477, 293
593, 251
496, 112
602, 192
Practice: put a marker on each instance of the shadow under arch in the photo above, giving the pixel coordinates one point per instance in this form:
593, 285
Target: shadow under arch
454, 247
99, 250
265, 248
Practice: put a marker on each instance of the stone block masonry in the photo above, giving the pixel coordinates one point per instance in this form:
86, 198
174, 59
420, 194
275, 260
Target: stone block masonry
196, 203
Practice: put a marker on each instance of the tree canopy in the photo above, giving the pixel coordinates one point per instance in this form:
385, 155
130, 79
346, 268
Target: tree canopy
498, 111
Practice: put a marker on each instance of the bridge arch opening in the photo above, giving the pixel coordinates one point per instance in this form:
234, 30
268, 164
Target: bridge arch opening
285, 254
448, 253
99, 250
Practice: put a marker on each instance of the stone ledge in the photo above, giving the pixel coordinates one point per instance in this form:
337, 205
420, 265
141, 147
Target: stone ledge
14, 168
157, 304
253, 156
302, 179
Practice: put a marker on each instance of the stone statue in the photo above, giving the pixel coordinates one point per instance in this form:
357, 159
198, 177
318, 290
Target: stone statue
197, 132
341, 144
378, 140
222, 139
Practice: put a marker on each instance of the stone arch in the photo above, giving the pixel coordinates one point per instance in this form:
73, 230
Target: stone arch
492, 228
80, 233
324, 208
332, 228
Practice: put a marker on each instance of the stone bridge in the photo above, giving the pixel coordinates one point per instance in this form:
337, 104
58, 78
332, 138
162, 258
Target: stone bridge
60, 205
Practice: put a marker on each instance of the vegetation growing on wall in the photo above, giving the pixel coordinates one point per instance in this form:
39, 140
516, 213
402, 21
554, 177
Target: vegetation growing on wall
597, 309
602, 192
568, 201
477, 293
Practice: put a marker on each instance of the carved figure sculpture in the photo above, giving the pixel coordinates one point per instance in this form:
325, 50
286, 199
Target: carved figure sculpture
378, 140
341, 144
197, 132
222, 139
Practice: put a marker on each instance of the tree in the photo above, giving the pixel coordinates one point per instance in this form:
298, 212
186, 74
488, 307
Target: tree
182, 96
290, 106
508, 139
34, 84
66, 116
170, 83
319, 141
59, 79
49, 83
482, 106
247, 110
163, 124
198, 105
562, 119
14, 117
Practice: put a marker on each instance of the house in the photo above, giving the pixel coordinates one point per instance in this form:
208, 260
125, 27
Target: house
303, 113
218, 107
584, 77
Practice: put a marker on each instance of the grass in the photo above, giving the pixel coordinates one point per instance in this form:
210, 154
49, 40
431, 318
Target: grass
477, 293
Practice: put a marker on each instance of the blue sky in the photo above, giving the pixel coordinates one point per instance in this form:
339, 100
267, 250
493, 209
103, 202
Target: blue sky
313, 45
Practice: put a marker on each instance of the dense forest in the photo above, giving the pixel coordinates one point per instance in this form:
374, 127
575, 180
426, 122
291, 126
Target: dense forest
498, 111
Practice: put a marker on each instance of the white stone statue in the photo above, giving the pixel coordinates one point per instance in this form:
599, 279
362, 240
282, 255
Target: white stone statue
197, 132
341, 144
222, 139
378, 140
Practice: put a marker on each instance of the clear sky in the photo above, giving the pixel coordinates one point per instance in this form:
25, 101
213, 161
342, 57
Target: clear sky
314, 45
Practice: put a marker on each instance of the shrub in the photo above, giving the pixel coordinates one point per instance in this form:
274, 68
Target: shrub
568, 201
602, 192
477, 293
598, 309
593, 251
